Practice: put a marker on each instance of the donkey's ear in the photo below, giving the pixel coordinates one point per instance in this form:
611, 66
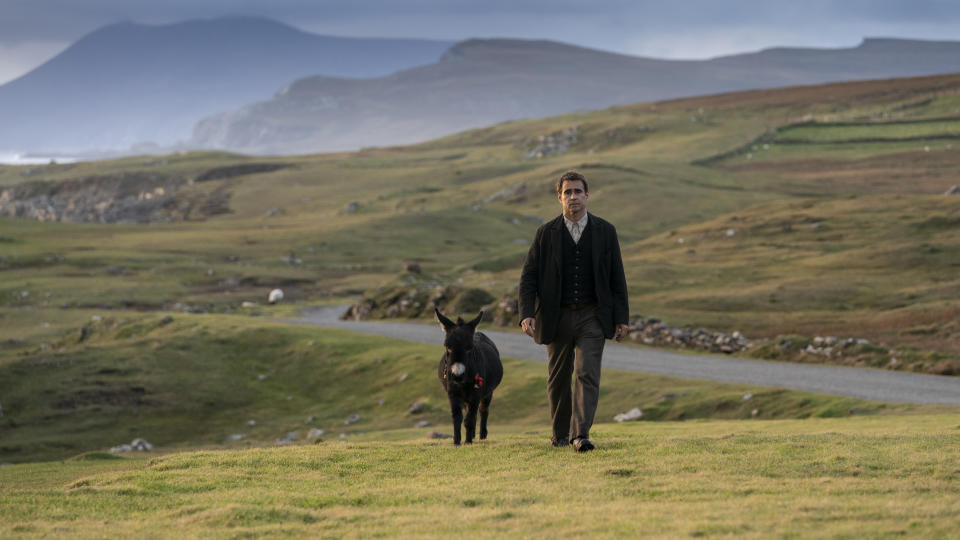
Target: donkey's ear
446, 323
473, 324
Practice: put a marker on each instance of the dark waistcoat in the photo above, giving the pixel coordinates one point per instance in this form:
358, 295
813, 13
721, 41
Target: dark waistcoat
577, 275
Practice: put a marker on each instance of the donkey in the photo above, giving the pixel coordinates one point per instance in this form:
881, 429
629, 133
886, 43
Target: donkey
469, 371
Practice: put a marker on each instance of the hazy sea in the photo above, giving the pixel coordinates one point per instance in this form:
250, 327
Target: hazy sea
16, 158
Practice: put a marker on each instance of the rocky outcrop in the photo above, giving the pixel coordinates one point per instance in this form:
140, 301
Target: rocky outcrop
129, 197
554, 144
415, 294
650, 331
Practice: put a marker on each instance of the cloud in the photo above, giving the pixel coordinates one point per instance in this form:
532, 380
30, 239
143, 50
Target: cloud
18, 59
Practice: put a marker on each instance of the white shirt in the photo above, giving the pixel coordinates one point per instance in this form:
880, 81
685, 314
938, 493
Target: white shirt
576, 227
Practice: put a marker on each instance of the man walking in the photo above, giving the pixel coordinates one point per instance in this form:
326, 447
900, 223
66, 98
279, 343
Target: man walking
573, 295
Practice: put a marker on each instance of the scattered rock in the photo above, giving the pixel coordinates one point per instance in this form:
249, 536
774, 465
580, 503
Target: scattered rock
288, 438
955, 190
352, 419
236, 437
747, 396
251, 423
402, 378
553, 144
310, 419
416, 408
651, 331
438, 435
632, 414
314, 433
422, 424
136, 445
353, 207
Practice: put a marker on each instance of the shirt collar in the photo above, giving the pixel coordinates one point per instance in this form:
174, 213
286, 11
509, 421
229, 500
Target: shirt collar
582, 222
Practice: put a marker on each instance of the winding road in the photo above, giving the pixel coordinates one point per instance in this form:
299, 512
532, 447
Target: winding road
863, 383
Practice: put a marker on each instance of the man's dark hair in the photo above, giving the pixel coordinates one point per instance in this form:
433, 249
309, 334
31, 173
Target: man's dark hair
572, 176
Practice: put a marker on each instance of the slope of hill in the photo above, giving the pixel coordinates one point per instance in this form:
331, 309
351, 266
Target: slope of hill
481, 82
733, 212
128, 84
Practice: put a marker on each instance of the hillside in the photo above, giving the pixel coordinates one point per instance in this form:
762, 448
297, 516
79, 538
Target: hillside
132, 84
480, 82
784, 214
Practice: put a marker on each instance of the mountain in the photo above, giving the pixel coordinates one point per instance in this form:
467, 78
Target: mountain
482, 82
130, 83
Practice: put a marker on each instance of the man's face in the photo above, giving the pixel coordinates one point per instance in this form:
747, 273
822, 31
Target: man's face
573, 198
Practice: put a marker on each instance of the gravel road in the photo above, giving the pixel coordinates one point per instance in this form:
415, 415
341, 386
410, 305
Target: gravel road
864, 383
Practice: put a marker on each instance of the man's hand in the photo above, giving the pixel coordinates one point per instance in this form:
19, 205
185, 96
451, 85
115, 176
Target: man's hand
528, 326
620, 333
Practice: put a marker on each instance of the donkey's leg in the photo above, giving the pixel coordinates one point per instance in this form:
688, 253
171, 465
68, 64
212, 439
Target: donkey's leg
484, 412
456, 409
471, 420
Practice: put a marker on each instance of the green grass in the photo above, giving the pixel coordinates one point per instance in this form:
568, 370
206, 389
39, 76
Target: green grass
191, 381
872, 131
864, 477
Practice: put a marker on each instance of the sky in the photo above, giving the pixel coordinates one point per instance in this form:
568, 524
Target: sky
33, 31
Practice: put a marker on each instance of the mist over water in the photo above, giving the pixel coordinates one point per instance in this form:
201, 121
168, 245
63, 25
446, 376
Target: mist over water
16, 158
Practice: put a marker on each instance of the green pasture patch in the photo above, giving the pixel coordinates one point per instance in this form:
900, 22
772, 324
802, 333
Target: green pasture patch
182, 381
755, 479
870, 132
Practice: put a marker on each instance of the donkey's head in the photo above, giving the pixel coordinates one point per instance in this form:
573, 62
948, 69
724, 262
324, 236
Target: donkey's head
459, 344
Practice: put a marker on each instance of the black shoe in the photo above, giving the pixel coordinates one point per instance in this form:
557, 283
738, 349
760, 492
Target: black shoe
582, 445
559, 442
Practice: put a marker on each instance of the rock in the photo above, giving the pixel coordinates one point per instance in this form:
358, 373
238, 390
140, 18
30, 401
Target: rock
288, 438
248, 304
422, 424
251, 423
275, 296
353, 208
955, 190
139, 445
754, 413
412, 267
416, 408
632, 414
310, 419
166, 320
438, 435
352, 419
402, 378
747, 396
314, 433
236, 437
381, 401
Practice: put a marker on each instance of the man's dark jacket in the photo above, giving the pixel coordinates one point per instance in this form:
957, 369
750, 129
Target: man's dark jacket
540, 282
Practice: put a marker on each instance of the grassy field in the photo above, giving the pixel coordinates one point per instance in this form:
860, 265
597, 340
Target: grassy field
197, 380
824, 478
110, 332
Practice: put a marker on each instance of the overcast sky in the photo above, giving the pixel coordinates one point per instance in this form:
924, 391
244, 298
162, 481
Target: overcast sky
32, 31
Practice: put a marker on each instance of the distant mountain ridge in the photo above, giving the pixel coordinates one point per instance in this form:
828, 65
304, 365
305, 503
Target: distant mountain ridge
480, 82
128, 83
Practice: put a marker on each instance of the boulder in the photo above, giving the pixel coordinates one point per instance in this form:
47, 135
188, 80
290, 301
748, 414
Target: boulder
632, 414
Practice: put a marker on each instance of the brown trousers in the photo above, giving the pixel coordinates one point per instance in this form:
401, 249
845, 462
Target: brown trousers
576, 350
